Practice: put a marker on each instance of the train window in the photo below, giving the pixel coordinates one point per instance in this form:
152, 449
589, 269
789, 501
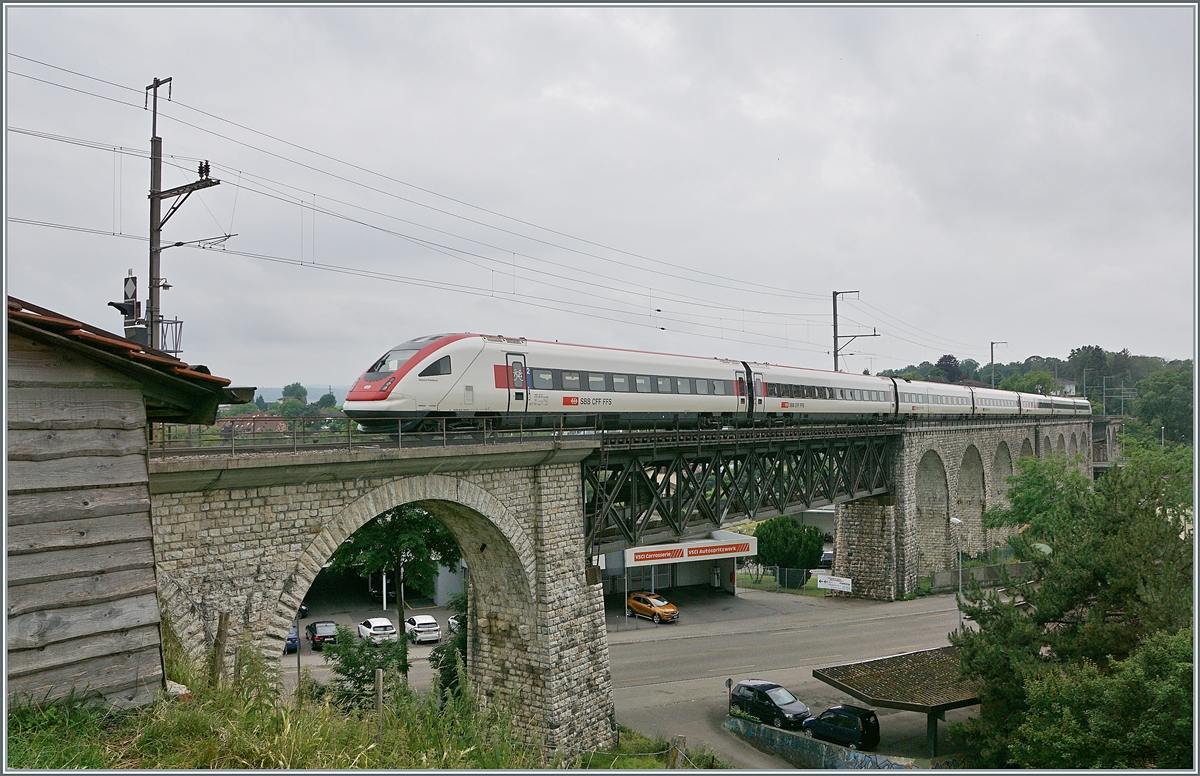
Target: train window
439, 367
596, 381
684, 384
391, 361
773, 390
785, 391
643, 383
543, 379
664, 385
720, 387
621, 383
570, 381
701, 386
857, 395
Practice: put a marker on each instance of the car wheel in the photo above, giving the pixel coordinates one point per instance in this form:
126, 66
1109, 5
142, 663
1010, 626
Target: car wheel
656, 618
808, 734
777, 722
628, 612
851, 746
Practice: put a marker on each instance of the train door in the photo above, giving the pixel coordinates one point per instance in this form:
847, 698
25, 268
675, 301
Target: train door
739, 381
759, 393
518, 396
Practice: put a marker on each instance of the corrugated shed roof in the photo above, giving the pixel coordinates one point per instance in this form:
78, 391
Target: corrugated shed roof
926, 681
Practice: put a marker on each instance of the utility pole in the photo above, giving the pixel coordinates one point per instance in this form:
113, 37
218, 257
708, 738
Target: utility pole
849, 339
154, 316
993, 357
153, 308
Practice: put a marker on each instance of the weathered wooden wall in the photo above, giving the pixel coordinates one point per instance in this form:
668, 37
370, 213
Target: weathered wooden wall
81, 603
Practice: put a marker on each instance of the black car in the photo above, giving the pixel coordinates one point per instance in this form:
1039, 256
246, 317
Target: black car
770, 703
321, 633
850, 726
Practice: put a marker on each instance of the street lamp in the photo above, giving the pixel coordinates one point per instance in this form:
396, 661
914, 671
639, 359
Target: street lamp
958, 546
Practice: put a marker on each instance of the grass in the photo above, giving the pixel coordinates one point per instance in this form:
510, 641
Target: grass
767, 583
248, 724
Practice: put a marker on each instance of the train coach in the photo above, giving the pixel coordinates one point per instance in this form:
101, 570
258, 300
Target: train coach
535, 384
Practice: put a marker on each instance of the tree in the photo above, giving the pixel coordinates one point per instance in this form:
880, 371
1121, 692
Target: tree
291, 408
1030, 382
1110, 567
353, 662
326, 401
296, 391
450, 657
949, 366
1164, 403
785, 542
970, 368
406, 540
1139, 715
260, 402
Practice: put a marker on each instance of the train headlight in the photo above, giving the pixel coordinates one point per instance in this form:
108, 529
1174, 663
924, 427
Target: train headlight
384, 388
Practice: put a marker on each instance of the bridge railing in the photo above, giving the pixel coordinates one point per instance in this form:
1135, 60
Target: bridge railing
247, 435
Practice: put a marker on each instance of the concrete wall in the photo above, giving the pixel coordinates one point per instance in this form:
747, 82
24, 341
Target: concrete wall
537, 642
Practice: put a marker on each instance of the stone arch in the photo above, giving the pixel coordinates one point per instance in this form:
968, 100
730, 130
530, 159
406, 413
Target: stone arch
1002, 469
1026, 448
933, 514
501, 655
1073, 448
1060, 448
970, 501
1047, 448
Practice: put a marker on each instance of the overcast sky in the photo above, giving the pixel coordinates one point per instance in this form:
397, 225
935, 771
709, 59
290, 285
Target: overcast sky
690, 180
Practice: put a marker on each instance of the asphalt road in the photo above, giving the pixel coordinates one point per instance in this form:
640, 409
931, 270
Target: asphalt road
670, 679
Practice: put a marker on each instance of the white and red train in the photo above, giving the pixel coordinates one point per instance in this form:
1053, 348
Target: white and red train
551, 384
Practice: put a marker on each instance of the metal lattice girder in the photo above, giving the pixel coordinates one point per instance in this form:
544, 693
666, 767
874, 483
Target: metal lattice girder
646, 487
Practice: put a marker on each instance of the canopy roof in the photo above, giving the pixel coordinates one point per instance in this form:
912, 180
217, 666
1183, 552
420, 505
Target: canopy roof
925, 681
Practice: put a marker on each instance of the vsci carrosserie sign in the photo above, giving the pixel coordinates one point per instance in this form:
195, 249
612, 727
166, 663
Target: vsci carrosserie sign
691, 551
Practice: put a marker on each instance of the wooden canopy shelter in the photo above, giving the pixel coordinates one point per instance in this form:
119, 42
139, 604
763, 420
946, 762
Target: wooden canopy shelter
926, 681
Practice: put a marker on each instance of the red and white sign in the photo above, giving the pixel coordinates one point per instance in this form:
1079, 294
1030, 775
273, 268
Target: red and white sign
713, 550
570, 401
841, 584
644, 556
707, 549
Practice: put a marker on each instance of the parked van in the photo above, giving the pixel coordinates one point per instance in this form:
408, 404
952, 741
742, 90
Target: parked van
850, 726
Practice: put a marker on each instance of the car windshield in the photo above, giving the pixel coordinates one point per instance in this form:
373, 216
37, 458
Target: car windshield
383, 629
781, 696
656, 601
326, 629
427, 625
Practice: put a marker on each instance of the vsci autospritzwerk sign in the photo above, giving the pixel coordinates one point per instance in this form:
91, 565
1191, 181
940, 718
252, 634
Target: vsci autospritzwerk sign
829, 582
690, 551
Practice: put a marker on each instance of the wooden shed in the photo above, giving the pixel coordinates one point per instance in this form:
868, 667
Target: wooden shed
82, 608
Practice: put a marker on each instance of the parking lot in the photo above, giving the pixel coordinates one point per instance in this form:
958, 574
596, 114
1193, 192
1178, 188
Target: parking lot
669, 679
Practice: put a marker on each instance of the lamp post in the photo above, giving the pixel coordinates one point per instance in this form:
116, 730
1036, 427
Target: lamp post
958, 546
993, 357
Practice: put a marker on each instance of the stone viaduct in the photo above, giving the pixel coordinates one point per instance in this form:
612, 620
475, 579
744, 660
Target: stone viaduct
942, 470
248, 534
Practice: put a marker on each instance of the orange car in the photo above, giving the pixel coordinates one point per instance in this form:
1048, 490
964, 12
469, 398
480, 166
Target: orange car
652, 606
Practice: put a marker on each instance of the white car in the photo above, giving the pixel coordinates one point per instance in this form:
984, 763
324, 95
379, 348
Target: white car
452, 623
378, 630
422, 627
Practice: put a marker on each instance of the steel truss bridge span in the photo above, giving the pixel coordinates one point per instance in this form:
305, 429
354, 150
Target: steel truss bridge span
645, 488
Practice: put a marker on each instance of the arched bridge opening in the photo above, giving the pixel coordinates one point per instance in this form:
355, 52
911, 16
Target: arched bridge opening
536, 639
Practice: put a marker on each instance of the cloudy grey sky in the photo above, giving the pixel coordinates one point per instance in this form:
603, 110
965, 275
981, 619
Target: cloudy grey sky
691, 180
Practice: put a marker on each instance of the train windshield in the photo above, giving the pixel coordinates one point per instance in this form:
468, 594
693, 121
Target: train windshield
390, 362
